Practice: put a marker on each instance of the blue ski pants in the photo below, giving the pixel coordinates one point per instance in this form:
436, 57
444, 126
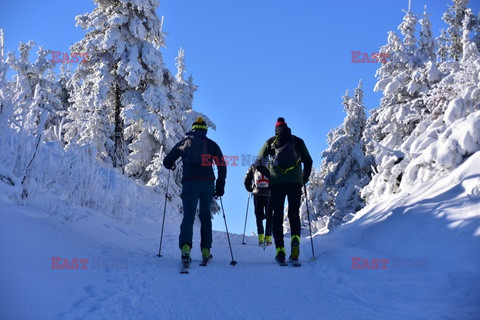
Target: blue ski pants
195, 191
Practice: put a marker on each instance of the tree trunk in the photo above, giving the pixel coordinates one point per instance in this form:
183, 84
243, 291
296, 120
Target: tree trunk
39, 134
118, 151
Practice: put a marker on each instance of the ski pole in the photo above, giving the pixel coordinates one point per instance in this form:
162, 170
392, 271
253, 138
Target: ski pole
246, 215
309, 222
233, 262
164, 210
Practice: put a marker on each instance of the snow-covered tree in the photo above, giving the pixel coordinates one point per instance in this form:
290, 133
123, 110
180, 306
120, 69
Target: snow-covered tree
408, 75
454, 17
344, 170
5, 92
6, 111
389, 77
440, 145
394, 50
186, 88
55, 130
180, 64
442, 44
120, 88
395, 75
125, 101
30, 103
32, 84
407, 28
426, 44
3, 66
435, 145
401, 109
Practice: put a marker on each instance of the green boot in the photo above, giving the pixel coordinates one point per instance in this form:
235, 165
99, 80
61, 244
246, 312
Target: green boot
295, 243
186, 253
261, 239
205, 254
268, 240
281, 253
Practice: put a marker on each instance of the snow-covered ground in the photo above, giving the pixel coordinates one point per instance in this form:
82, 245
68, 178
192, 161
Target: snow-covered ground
430, 236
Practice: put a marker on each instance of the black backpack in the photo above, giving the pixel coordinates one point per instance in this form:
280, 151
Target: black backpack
194, 146
286, 156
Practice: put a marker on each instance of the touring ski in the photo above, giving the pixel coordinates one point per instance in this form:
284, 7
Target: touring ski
184, 269
185, 266
295, 263
281, 263
205, 261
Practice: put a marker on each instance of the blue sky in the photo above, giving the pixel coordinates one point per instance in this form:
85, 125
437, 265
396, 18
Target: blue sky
253, 60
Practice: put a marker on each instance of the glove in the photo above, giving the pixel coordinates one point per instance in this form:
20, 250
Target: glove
219, 189
249, 188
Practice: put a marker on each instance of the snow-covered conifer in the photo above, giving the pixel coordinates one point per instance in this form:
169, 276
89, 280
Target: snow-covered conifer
181, 69
426, 43
121, 84
5, 92
442, 44
344, 170
434, 144
454, 18
407, 28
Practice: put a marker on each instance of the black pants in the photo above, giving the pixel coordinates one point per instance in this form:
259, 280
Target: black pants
293, 191
263, 210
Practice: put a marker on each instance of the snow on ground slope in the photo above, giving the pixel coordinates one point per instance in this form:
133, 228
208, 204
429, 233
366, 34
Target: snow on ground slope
431, 238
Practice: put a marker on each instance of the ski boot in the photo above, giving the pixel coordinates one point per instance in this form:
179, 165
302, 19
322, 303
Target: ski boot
261, 239
280, 257
186, 254
206, 254
295, 244
268, 240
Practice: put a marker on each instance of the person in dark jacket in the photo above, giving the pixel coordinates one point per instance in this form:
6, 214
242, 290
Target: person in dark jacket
281, 156
198, 154
259, 184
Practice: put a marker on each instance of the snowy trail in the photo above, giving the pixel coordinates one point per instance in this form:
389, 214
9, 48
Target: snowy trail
255, 287
150, 287
430, 238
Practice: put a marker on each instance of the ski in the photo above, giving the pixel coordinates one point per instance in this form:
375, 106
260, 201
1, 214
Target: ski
280, 263
185, 266
184, 269
295, 263
205, 261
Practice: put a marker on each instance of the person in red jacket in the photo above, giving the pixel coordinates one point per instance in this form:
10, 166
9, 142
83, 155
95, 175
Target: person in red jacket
259, 184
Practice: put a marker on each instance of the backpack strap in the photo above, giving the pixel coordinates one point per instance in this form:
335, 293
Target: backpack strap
284, 171
272, 150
